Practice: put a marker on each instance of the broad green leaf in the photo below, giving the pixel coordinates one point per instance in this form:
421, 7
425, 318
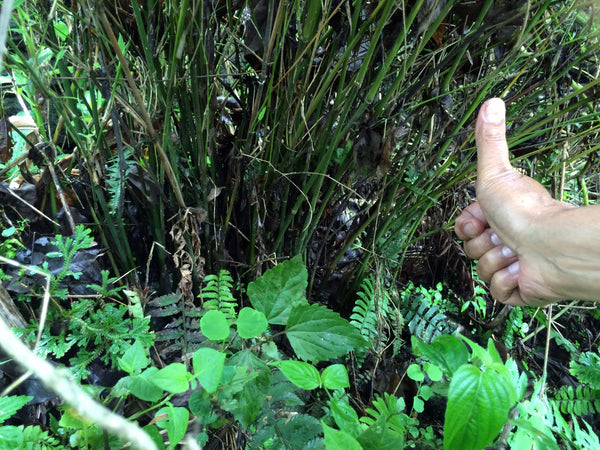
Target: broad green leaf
154, 434
302, 374
10, 404
433, 372
251, 323
214, 325
415, 373
11, 437
317, 333
339, 440
175, 423
173, 378
478, 406
345, 416
208, 366
279, 289
246, 399
447, 352
200, 406
418, 405
134, 359
144, 388
335, 376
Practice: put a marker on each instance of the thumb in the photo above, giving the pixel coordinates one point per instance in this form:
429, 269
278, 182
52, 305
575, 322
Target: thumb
490, 136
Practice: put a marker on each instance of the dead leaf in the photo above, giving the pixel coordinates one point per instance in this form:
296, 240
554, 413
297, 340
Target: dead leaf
6, 143
214, 193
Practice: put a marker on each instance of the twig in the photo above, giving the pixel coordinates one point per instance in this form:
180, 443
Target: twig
26, 203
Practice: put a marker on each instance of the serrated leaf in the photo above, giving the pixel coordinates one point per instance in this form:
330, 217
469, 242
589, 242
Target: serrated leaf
214, 325
478, 406
173, 378
208, 367
279, 289
11, 404
317, 333
335, 376
302, 374
251, 323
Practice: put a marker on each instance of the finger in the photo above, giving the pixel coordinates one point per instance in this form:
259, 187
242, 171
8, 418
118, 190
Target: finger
493, 261
471, 223
479, 246
504, 286
490, 135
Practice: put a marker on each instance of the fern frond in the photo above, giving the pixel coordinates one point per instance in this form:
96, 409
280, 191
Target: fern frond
217, 294
587, 369
176, 325
389, 410
116, 179
371, 313
579, 401
425, 320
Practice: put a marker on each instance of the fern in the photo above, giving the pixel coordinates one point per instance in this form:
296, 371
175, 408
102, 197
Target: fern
371, 310
10, 404
21, 436
587, 369
425, 319
116, 179
177, 325
389, 410
578, 401
217, 294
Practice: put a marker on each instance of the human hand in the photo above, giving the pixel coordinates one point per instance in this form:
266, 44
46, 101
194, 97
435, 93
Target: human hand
510, 229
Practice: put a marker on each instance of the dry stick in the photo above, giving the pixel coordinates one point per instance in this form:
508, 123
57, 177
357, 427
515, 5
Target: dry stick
59, 381
26, 203
144, 112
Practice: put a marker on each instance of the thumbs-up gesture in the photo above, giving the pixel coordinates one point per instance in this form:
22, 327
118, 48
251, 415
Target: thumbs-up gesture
531, 248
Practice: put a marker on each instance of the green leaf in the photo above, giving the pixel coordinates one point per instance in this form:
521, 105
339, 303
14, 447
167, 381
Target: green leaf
175, 423
478, 406
339, 440
279, 289
11, 437
335, 376
154, 434
345, 416
208, 366
214, 325
11, 404
251, 323
173, 378
302, 374
144, 388
447, 352
415, 373
134, 359
317, 333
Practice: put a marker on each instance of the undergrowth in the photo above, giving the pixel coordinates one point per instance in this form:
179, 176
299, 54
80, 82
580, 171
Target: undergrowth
252, 173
